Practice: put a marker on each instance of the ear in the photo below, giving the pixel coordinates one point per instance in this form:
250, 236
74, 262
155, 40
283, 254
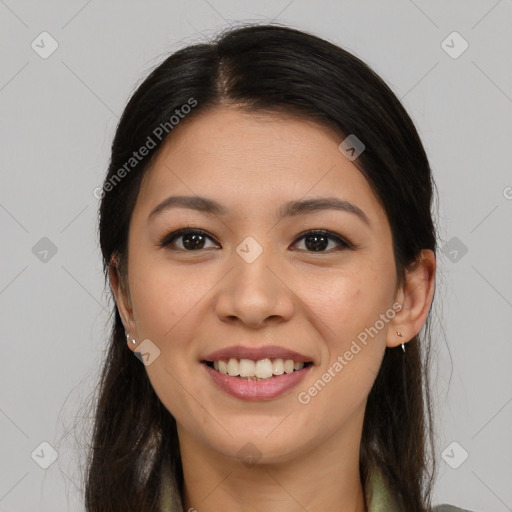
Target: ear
415, 296
121, 293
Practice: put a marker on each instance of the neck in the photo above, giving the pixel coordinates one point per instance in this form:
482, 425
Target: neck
323, 478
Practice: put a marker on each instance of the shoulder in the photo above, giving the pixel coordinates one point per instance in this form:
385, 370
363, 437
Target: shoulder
449, 508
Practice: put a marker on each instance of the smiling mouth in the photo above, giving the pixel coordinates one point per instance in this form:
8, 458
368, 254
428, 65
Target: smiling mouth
262, 369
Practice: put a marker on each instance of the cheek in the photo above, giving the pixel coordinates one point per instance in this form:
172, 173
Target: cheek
347, 311
166, 304
349, 301
163, 297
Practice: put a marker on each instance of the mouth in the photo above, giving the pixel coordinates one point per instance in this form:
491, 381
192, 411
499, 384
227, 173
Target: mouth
257, 373
257, 370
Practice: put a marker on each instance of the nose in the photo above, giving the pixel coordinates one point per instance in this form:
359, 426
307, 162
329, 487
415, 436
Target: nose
255, 294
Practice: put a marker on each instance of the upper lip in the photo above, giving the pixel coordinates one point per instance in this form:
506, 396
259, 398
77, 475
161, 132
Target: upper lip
257, 353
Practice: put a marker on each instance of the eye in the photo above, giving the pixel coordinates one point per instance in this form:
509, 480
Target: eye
192, 239
317, 240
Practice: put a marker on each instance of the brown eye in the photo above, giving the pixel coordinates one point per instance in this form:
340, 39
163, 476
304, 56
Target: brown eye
191, 240
318, 241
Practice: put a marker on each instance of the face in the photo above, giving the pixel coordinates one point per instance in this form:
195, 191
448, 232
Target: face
253, 273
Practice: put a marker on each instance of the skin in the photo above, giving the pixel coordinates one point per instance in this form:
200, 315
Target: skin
192, 303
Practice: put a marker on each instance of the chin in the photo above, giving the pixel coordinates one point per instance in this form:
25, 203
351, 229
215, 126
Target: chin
251, 448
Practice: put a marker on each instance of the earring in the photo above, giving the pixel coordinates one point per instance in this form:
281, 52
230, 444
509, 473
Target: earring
128, 339
398, 333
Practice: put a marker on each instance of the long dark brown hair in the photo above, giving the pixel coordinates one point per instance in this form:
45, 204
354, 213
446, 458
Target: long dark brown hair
279, 69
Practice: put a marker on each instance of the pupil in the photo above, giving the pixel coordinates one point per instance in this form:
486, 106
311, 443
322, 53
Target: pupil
318, 244
194, 238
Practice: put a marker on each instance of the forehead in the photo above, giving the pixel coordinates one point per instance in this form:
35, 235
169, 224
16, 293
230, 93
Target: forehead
235, 136
253, 158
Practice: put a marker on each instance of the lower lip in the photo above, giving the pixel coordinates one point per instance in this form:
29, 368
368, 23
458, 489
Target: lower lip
257, 389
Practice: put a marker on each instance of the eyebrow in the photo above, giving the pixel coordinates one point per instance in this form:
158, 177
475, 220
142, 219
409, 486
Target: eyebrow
290, 209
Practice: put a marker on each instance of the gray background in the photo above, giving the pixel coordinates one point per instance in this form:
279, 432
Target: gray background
57, 120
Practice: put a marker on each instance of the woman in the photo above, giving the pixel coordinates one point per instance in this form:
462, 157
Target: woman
266, 230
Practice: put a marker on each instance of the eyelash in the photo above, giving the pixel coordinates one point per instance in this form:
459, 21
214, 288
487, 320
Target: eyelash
343, 243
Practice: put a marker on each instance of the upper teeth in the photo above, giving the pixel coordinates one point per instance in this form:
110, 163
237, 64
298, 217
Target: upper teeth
263, 368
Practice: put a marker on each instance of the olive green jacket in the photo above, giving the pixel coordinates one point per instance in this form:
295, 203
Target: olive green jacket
378, 496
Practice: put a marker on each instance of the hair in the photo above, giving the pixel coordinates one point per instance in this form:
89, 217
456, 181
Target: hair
273, 69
